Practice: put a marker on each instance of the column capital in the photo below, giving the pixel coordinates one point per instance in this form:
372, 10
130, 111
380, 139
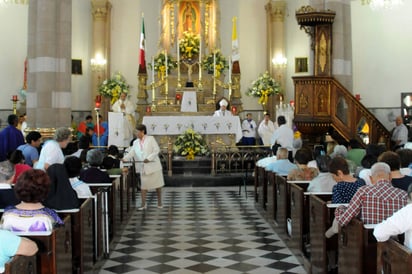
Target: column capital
276, 10
100, 8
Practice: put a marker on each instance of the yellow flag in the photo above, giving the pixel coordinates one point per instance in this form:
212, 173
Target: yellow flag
235, 42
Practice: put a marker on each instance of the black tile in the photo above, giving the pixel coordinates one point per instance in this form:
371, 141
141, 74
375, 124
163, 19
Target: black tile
238, 257
164, 258
281, 265
244, 267
275, 256
200, 258
125, 259
162, 268
202, 268
120, 269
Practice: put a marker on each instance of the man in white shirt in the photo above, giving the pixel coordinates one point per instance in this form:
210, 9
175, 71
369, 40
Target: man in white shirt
222, 111
399, 134
283, 136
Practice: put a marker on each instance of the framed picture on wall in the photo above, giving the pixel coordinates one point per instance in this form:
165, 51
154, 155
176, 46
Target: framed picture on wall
77, 66
301, 64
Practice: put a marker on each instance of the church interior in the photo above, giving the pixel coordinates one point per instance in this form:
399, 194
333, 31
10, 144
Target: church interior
336, 69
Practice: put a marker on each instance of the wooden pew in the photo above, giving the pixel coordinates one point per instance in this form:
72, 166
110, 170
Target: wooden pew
256, 184
82, 235
320, 219
55, 249
357, 248
281, 207
299, 216
262, 188
21, 265
393, 257
271, 198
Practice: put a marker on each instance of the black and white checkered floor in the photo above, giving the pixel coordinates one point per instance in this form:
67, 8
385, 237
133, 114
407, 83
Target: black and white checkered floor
200, 230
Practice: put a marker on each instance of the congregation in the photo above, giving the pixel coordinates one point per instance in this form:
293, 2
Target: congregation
372, 183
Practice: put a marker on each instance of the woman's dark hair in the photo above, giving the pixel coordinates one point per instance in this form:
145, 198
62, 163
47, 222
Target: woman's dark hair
16, 157
323, 163
338, 163
73, 166
142, 128
303, 156
32, 186
375, 149
113, 150
406, 156
368, 160
392, 159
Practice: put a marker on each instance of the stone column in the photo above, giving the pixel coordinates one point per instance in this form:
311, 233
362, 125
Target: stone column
275, 14
49, 63
101, 10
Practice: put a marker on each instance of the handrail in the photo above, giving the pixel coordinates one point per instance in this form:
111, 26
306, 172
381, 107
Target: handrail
323, 102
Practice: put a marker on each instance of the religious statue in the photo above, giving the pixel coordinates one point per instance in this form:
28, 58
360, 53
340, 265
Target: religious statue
189, 17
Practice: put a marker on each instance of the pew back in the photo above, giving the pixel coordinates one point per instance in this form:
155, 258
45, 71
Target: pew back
393, 257
320, 220
21, 264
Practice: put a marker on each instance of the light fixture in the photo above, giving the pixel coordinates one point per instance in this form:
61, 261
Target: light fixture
382, 4
98, 63
280, 61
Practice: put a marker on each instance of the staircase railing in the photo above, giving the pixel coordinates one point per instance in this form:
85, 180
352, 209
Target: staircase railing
322, 103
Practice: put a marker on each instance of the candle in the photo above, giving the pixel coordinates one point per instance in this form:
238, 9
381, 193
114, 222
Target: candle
153, 79
98, 98
200, 59
14, 98
166, 62
214, 63
230, 69
178, 59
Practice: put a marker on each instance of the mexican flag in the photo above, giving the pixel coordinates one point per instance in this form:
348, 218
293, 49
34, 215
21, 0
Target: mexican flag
142, 59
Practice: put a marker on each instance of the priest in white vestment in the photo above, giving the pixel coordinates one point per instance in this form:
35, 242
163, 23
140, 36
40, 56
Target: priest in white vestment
125, 106
222, 111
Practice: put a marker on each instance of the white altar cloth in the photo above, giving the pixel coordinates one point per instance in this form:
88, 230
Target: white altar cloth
176, 125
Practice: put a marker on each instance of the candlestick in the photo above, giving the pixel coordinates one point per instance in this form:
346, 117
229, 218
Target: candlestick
179, 85
200, 59
153, 79
166, 63
230, 77
14, 98
214, 63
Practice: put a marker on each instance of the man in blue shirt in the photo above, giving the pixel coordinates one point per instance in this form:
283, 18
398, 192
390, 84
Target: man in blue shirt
30, 149
10, 137
282, 165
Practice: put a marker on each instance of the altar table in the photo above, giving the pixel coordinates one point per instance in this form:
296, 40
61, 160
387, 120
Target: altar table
176, 125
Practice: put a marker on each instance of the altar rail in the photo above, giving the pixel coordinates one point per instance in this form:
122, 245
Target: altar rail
223, 159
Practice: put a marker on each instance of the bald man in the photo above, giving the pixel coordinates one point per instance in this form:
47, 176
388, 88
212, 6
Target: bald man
399, 134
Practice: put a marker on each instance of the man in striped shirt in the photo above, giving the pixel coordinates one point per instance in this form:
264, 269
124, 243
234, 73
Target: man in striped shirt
376, 202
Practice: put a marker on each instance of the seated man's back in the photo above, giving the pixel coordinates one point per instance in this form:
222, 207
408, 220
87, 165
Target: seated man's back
374, 203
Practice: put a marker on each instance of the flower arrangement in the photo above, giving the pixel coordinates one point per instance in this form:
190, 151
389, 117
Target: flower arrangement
263, 87
209, 62
189, 144
113, 87
189, 45
160, 63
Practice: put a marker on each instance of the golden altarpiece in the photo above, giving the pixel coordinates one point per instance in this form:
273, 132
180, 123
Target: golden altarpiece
162, 95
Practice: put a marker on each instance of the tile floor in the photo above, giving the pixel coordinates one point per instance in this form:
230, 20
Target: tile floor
200, 230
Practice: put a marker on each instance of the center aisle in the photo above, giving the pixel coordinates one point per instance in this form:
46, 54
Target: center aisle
200, 230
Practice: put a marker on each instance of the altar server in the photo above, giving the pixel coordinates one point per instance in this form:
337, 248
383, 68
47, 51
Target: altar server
222, 111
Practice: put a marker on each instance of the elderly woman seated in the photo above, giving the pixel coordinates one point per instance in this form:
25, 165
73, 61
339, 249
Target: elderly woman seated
303, 172
93, 174
30, 214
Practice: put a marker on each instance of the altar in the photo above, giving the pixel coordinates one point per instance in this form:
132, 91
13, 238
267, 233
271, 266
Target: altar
223, 130
189, 73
